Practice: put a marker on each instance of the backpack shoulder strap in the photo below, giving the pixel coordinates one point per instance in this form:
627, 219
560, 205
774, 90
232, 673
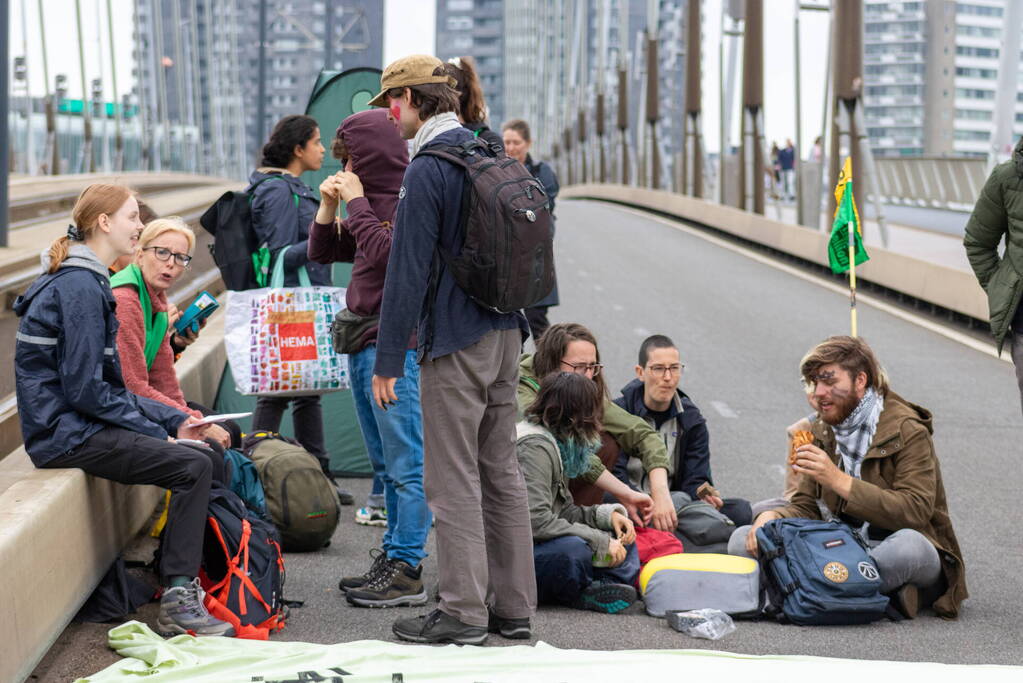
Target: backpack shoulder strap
456, 154
252, 193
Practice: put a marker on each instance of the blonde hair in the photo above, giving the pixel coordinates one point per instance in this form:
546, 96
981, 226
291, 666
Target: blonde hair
161, 226
94, 201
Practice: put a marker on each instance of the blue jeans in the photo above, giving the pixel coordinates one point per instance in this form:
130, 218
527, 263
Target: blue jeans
394, 440
564, 567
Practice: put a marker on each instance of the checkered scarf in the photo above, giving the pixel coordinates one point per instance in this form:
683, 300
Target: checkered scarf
855, 433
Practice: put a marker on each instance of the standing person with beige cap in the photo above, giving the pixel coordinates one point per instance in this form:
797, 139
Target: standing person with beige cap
468, 359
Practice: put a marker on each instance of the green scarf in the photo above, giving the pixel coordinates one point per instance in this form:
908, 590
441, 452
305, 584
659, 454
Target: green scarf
156, 325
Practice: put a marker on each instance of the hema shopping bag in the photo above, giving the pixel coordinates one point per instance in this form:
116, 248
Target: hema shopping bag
278, 338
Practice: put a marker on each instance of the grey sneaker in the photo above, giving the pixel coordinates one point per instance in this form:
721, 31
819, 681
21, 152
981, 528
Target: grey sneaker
397, 584
438, 627
182, 611
347, 583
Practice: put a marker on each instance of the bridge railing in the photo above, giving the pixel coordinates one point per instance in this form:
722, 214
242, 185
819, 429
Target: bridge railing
933, 182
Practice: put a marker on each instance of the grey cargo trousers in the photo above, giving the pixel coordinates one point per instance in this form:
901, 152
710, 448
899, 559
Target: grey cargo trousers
473, 482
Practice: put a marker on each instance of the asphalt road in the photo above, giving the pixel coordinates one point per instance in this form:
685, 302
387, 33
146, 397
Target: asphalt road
742, 327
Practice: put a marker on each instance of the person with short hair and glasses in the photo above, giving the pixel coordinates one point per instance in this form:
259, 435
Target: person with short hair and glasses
654, 396
570, 347
140, 289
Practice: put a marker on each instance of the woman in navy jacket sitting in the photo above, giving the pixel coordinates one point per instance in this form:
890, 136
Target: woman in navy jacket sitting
76, 412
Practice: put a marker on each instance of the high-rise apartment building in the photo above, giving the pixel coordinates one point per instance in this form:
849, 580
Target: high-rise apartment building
208, 54
187, 85
476, 28
542, 44
296, 52
931, 74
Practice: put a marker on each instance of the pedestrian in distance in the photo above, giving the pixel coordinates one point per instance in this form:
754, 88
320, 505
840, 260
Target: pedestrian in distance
283, 208
468, 359
872, 465
75, 410
585, 556
517, 142
787, 166
374, 158
998, 216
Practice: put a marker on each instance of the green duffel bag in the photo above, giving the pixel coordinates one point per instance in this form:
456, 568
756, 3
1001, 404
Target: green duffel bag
301, 500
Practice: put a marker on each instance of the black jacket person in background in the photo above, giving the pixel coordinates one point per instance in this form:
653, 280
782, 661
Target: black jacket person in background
517, 142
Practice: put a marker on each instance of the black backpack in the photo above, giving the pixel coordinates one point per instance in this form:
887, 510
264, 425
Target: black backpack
236, 249
242, 567
507, 259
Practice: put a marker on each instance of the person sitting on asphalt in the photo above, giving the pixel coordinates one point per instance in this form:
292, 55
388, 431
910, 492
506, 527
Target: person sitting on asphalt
163, 253
655, 397
374, 158
872, 463
76, 412
584, 556
572, 347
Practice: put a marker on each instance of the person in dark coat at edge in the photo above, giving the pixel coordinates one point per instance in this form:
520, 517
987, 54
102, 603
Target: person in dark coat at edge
76, 412
472, 108
374, 158
283, 207
517, 141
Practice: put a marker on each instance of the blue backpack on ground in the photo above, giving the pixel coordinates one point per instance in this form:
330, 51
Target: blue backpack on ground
245, 481
819, 573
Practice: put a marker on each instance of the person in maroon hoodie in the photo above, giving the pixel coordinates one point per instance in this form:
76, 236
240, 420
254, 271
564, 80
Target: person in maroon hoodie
374, 158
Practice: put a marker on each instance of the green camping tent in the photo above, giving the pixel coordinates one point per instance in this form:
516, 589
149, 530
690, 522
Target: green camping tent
335, 96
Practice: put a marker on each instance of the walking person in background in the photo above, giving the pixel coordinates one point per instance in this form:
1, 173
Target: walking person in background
468, 359
374, 158
76, 412
517, 142
787, 166
774, 172
283, 207
472, 108
997, 216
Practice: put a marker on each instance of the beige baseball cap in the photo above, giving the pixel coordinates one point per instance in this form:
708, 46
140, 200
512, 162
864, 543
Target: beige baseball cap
408, 71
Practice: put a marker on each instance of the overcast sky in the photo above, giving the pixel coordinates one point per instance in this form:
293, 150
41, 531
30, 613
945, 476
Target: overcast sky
409, 28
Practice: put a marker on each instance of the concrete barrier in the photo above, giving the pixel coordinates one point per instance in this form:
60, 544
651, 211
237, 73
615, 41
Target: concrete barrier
61, 529
950, 288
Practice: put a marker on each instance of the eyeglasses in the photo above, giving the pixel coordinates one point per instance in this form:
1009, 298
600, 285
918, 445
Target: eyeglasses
583, 368
164, 254
662, 370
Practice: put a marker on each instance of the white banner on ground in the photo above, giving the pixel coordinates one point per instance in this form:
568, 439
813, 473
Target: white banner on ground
150, 658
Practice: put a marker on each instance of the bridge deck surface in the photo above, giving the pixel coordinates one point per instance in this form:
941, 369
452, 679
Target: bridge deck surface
742, 326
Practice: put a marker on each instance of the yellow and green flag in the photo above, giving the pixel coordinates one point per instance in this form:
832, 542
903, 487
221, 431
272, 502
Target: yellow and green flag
845, 215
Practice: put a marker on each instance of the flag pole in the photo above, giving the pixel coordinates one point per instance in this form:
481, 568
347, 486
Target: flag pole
852, 278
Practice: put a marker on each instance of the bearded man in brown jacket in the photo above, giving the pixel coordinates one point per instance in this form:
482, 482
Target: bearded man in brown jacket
872, 464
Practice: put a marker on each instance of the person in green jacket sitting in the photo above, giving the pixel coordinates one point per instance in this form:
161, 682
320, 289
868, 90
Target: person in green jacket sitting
570, 347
